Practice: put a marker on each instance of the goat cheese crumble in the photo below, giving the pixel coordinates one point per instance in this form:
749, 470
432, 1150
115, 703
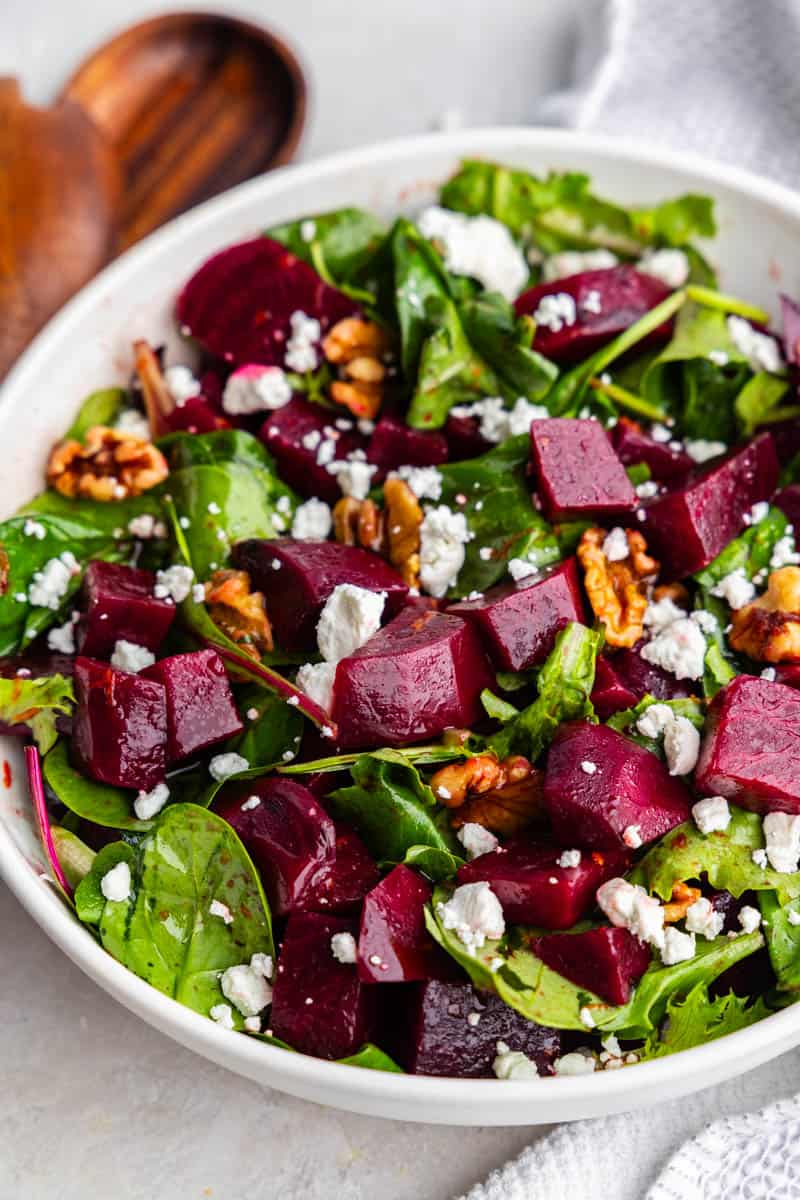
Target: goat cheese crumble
350, 617
50, 585
476, 840
443, 536
555, 311
782, 837
217, 909
181, 385
760, 349
222, 766
630, 907
425, 482
247, 986
301, 347
133, 423
569, 858
702, 918
576, 262
353, 477
678, 647
61, 639
496, 421
615, 545
253, 388
174, 583
678, 946
312, 521
474, 913
479, 247
128, 656
344, 948
670, 266
712, 815
316, 680
222, 1014
147, 804
513, 1064
735, 588
116, 883
701, 449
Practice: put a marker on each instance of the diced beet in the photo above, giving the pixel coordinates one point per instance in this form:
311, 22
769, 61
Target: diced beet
450, 1028
519, 622
534, 890
118, 604
196, 415
296, 591
239, 304
393, 944
607, 301
788, 501
644, 678
319, 1005
634, 446
786, 436
290, 838
577, 470
692, 522
630, 789
200, 707
751, 749
283, 434
788, 673
353, 875
423, 673
610, 693
606, 961
464, 438
394, 444
119, 726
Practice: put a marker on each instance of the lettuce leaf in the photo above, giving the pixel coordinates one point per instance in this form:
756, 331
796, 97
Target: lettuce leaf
36, 703
696, 1018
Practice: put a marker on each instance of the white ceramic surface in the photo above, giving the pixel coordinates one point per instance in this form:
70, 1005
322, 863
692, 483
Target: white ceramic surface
88, 346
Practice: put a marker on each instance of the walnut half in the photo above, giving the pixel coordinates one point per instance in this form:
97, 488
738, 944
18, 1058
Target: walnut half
109, 465
238, 612
357, 347
392, 531
617, 590
502, 796
768, 630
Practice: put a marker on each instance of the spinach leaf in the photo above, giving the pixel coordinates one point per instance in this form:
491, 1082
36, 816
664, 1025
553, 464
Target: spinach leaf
35, 703
391, 808
89, 899
758, 400
565, 683
481, 965
108, 520
164, 932
99, 408
625, 721
783, 939
272, 728
419, 279
215, 449
98, 802
373, 1058
751, 551
341, 245
433, 861
74, 856
504, 342
695, 1019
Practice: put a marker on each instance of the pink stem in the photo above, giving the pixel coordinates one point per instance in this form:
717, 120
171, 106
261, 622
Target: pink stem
33, 764
277, 683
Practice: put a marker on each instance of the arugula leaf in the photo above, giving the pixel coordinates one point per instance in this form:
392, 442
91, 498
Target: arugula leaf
565, 683
35, 703
695, 1019
74, 856
783, 939
391, 808
164, 932
98, 802
504, 341
758, 400
373, 1058
625, 721
99, 408
751, 551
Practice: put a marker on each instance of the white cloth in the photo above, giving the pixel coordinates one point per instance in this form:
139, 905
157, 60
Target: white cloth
721, 77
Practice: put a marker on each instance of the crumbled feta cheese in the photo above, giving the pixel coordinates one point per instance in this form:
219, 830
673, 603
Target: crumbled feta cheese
793, 917
678, 946
316, 680
133, 423
425, 482
198, 593
760, 349
352, 477
250, 803
217, 909
712, 815
660, 433
252, 1024
759, 857
443, 536
782, 835
611, 1045
181, 384
127, 656
222, 766
701, 449
350, 617
629, 906
784, 552
750, 918
661, 613
521, 568
679, 648
146, 526
308, 230
569, 858
486, 553
575, 262
473, 1019
473, 912
646, 490
513, 1064
770, 674
51, 584
632, 836
575, 1063
703, 918
615, 546
476, 840
670, 266
719, 358
757, 513
247, 988
681, 746
301, 347
655, 719
312, 439
496, 422
344, 948
147, 804
480, 247
34, 529
586, 1017
592, 302
175, 583
253, 388
735, 588
62, 638
588, 767
222, 1014
555, 311
116, 883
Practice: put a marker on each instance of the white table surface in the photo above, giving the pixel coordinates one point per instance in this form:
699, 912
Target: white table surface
95, 1104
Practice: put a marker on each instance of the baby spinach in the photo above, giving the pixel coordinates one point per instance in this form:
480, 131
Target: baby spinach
109, 519
342, 246
99, 408
98, 802
433, 861
272, 728
758, 401
89, 899
696, 1018
215, 449
373, 1059
504, 342
35, 703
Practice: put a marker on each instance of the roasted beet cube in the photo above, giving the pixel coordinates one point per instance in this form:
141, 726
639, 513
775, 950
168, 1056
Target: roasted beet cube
450, 1028
196, 415
118, 604
786, 436
200, 707
751, 750
605, 302
602, 790
519, 622
610, 693
353, 875
633, 446
319, 1005
606, 961
464, 438
290, 838
295, 435
578, 474
393, 944
788, 673
421, 674
119, 730
692, 522
394, 444
297, 578
535, 890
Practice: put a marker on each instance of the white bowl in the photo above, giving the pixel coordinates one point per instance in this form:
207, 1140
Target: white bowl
88, 346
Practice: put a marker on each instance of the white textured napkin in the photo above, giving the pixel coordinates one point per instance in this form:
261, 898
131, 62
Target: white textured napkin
721, 77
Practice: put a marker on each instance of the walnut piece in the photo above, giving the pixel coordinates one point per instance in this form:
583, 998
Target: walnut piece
109, 465
505, 810
238, 612
481, 773
617, 590
768, 630
392, 531
681, 900
357, 347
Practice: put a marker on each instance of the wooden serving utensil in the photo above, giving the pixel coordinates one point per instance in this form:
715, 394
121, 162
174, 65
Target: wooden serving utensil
160, 118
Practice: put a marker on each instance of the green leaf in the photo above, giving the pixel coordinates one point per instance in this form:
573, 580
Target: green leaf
675, 222
696, 1019
450, 372
340, 245
99, 408
89, 899
433, 861
35, 703
497, 708
98, 802
758, 400
503, 342
419, 279
106, 519
481, 965
391, 808
750, 552
75, 856
783, 939
419, 755
625, 721
565, 683
164, 933
215, 449
276, 730
373, 1058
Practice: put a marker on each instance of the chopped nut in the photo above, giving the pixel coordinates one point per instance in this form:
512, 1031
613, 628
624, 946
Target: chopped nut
617, 590
158, 400
505, 810
681, 900
354, 338
768, 630
109, 465
357, 347
675, 592
481, 773
238, 612
361, 399
392, 532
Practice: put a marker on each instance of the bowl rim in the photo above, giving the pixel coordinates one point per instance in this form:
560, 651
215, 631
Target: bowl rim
296, 1072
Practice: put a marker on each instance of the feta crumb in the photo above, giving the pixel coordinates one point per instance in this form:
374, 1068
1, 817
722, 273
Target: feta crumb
252, 1024
719, 358
246, 987
758, 513
679, 648
629, 906
703, 918
145, 526
301, 347
575, 1063
133, 423
198, 593
222, 766
486, 553
660, 433
793, 917
661, 614
147, 804
353, 477
497, 423
735, 588
34, 529
476, 840
770, 674
712, 815
308, 230
222, 1014
555, 311
678, 946
316, 680
569, 858
632, 836
513, 1064
681, 746
312, 521
350, 617
782, 835
587, 1017
175, 583
254, 388
344, 948
655, 719
425, 482
127, 656
181, 385
312, 439
575, 262
784, 552
615, 546
760, 349
647, 489
611, 1045
217, 909
479, 247
250, 803
749, 918
701, 450
116, 883
50, 585
759, 857
62, 638
474, 913
473, 1019
443, 536
520, 568
670, 266
588, 767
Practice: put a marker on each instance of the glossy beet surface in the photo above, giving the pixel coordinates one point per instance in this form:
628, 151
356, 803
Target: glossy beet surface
578, 474
607, 301
610, 693
295, 435
200, 707
297, 589
394, 444
464, 438
634, 446
117, 603
239, 304
693, 522
450, 1028
629, 789
751, 749
535, 890
119, 732
519, 622
608, 962
319, 1005
353, 874
290, 838
393, 944
421, 674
